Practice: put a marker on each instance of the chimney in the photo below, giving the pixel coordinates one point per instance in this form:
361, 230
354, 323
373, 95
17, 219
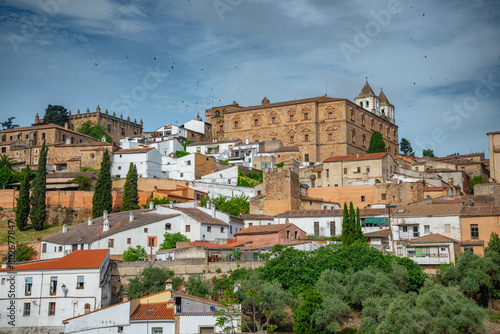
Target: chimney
65, 228
125, 297
171, 205
90, 221
357, 155
213, 211
66, 126
246, 140
105, 225
209, 205
151, 205
131, 216
168, 285
105, 214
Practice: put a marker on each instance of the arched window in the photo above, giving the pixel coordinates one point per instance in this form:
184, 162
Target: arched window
291, 139
362, 120
372, 125
352, 115
353, 136
363, 138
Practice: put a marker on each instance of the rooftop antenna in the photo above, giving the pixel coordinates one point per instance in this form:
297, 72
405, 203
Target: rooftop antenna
326, 87
366, 78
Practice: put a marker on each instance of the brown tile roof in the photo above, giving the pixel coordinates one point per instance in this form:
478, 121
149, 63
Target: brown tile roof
328, 213
256, 217
200, 216
431, 238
366, 91
264, 229
354, 157
383, 99
118, 222
472, 242
447, 209
134, 150
210, 245
80, 259
153, 311
320, 99
477, 211
284, 149
385, 233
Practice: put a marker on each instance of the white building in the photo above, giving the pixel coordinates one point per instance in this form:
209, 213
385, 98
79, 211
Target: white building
159, 313
167, 147
227, 176
146, 228
241, 154
418, 220
146, 159
210, 148
46, 292
189, 167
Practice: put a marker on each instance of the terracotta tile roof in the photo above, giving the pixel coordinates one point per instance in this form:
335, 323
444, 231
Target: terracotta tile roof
472, 242
264, 229
153, 311
431, 238
118, 222
354, 157
198, 299
329, 213
433, 189
320, 99
477, 211
422, 210
385, 233
80, 259
256, 217
200, 216
307, 198
134, 150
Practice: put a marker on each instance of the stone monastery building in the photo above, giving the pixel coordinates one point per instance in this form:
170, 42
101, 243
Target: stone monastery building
321, 127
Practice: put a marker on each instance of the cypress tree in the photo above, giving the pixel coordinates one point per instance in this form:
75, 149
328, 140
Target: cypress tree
376, 143
345, 238
358, 226
102, 199
23, 201
352, 224
130, 192
38, 213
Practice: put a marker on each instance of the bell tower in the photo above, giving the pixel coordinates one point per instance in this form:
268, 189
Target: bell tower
368, 100
386, 108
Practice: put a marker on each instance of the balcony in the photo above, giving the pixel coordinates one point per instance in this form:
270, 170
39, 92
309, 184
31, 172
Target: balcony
408, 235
431, 259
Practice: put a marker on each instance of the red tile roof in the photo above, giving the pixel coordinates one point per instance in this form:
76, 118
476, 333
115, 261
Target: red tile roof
264, 229
370, 156
256, 217
423, 210
80, 259
472, 242
432, 238
329, 213
153, 311
385, 233
210, 245
476, 211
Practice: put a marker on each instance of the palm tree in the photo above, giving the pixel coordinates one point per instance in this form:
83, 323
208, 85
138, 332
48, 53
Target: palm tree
5, 160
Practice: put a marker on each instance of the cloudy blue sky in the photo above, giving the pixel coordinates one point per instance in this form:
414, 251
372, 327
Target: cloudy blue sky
438, 62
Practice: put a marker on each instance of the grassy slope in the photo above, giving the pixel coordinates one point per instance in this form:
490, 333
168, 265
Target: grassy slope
29, 235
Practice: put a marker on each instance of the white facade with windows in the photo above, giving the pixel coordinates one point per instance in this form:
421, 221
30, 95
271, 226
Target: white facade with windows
47, 292
212, 149
147, 161
182, 168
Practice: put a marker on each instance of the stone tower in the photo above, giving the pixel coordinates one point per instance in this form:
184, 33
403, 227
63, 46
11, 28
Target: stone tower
368, 100
386, 109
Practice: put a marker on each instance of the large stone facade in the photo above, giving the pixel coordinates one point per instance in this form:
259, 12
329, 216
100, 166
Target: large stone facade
117, 127
320, 127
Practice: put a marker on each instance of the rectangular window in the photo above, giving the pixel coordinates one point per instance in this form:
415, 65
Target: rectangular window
120, 329
43, 135
447, 228
157, 330
306, 138
53, 285
330, 136
188, 228
345, 171
306, 157
384, 197
368, 169
52, 308
316, 228
27, 309
28, 283
474, 231
362, 198
151, 241
79, 282
111, 243
209, 228
44, 248
405, 229
330, 115
222, 230
231, 229
469, 249
235, 125
400, 251
291, 118
306, 116
198, 149
332, 229
189, 162
427, 229
92, 156
319, 175
256, 122
129, 241
146, 230
35, 161
273, 120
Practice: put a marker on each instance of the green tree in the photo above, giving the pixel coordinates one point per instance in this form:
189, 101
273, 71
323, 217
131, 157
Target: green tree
376, 143
235, 205
102, 198
428, 153
38, 213
8, 124
186, 143
180, 154
23, 201
130, 191
359, 231
494, 243
303, 315
227, 318
151, 280
346, 238
405, 147
84, 182
24, 252
6, 161
170, 240
96, 131
6, 175
134, 254
474, 181
55, 115
197, 286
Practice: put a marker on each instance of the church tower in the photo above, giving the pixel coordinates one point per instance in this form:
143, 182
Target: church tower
368, 100
386, 108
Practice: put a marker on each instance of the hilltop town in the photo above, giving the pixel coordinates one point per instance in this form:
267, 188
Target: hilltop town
241, 203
